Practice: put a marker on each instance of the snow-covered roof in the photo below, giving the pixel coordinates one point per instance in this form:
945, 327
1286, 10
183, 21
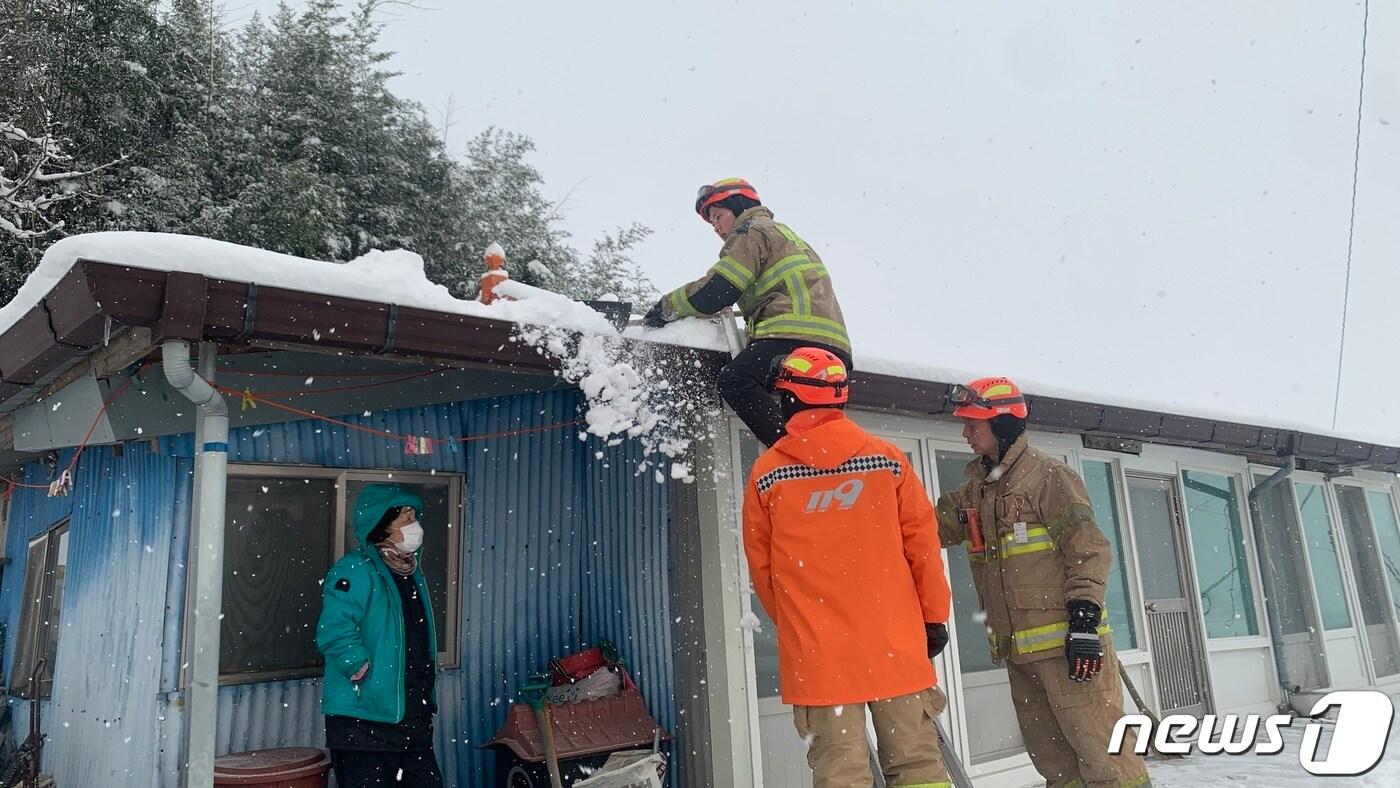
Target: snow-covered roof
397, 277
394, 277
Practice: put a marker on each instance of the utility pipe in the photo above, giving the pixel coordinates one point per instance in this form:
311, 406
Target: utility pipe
211, 484
1256, 518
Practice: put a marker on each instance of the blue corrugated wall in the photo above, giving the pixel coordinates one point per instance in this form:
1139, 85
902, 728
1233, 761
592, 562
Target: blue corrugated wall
560, 548
102, 717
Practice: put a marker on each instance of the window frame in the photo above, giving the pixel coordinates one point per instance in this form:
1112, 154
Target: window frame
36, 636
1128, 539
449, 650
1242, 485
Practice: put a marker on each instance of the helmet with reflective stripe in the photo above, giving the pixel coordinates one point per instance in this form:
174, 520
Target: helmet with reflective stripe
813, 375
987, 398
721, 190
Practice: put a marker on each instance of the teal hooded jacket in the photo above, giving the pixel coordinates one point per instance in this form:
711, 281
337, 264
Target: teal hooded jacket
362, 620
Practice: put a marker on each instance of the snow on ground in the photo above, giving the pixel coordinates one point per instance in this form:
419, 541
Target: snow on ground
1268, 771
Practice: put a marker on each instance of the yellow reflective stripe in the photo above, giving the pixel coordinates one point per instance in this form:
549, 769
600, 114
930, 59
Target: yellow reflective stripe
1037, 540
1029, 641
835, 370
1033, 533
792, 236
680, 304
798, 363
820, 328
801, 298
999, 390
793, 263
734, 271
1031, 547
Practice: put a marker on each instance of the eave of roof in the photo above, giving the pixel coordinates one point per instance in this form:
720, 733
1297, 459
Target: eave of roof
79, 314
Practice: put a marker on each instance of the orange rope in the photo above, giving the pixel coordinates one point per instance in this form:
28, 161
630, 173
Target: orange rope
73, 463
353, 387
280, 374
385, 433
82, 446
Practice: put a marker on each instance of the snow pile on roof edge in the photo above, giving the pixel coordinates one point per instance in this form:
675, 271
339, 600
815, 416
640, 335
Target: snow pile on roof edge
394, 276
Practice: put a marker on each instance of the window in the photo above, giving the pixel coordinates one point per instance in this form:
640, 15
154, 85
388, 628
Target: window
1103, 494
1217, 545
1281, 559
1324, 556
765, 637
974, 653
284, 529
1366, 552
1383, 515
39, 616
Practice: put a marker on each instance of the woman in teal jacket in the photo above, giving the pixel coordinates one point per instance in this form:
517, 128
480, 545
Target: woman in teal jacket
376, 633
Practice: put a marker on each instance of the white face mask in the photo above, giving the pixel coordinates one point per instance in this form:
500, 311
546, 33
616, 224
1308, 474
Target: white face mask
412, 538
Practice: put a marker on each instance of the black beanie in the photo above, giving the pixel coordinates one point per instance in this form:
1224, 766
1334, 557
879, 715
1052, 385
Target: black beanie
1007, 429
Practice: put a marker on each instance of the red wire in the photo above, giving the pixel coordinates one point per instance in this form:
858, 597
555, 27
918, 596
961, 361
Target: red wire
354, 387
280, 374
386, 433
82, 446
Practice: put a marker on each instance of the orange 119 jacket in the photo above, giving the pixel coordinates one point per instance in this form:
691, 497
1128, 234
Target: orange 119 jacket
843, 551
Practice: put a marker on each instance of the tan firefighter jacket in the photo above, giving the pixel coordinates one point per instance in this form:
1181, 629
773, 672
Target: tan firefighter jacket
1041, 549
785, 290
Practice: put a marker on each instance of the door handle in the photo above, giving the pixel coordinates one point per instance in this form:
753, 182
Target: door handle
1152, 607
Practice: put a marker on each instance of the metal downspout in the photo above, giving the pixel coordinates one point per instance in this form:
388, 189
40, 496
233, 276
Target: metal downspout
1256, 518
211, 483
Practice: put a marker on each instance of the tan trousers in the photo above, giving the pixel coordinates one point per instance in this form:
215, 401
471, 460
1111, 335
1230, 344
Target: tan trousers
905, 737
1067, 725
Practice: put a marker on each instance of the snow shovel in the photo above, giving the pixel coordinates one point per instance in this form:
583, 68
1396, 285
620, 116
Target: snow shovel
1143, 707
534, 694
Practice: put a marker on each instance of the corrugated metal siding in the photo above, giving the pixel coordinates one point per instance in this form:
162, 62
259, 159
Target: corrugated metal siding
522, 569
556, 550
106, 677
626, 597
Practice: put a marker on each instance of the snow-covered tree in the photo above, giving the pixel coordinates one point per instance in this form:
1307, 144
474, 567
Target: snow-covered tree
133, 115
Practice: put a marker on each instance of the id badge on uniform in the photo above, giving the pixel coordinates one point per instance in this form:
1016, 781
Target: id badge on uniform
1019, 533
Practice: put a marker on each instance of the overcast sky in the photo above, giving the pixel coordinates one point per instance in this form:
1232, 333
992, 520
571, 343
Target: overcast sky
1148, 203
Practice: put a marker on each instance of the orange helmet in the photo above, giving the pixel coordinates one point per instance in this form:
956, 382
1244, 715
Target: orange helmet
813, 375
721, 190
987, 398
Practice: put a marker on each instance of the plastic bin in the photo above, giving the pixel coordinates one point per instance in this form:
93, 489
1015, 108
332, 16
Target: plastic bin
283, 767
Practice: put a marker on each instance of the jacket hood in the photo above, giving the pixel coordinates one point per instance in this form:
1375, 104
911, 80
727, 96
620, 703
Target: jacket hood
376, 499
821, 438
756, 212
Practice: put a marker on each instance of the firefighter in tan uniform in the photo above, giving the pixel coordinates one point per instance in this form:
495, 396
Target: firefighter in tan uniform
843, 550
1040, 564
782, 289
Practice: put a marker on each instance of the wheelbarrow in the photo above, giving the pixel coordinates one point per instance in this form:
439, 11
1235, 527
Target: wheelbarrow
582, 735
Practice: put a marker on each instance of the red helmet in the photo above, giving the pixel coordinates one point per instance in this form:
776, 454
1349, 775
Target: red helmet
813, 375
721, 190
987, 398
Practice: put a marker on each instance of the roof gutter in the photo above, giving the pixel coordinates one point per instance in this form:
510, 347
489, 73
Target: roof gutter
1256, 518
207, 539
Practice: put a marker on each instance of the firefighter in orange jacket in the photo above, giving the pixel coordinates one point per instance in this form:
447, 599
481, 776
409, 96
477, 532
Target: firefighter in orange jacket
1040, 564
843, 551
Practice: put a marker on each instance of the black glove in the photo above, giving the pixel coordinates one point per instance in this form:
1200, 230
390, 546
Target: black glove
654, 317
937, 636
1083, 649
